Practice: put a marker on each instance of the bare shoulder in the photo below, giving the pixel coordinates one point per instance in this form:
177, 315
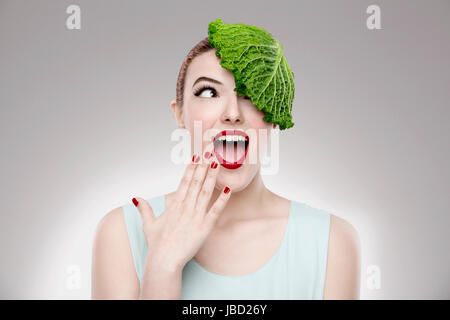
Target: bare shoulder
343, 261
110, 223
343, 234
110, 230
113, 273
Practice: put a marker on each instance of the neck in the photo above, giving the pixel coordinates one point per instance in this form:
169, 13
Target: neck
245, 204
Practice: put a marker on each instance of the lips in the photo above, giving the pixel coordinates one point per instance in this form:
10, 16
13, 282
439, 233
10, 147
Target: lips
231, 147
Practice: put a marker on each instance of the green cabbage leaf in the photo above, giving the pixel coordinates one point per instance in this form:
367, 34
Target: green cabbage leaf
260, 70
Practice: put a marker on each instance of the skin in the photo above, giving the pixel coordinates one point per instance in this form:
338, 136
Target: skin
251, 211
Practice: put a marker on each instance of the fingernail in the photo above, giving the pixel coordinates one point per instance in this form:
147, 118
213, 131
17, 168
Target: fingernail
226, 190
195, 158
135, 202
208, 155
213, 164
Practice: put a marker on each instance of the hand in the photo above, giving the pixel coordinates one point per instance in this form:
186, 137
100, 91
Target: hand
174, 237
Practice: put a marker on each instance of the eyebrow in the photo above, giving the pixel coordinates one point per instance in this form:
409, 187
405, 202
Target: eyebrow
206, 79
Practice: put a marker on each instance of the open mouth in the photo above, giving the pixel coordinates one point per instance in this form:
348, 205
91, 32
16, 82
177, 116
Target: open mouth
230, 147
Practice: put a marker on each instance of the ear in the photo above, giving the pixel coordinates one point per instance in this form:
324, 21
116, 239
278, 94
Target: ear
178, 113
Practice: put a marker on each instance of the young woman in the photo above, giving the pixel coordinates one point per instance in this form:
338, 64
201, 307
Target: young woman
222, 234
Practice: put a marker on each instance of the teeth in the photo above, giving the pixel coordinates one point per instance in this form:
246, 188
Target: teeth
231, 138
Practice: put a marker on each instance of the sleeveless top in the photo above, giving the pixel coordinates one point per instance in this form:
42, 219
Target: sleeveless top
296, 271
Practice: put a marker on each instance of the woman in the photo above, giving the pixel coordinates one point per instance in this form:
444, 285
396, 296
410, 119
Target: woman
222, 234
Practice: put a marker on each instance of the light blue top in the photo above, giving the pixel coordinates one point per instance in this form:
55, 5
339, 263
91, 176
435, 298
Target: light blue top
296, 271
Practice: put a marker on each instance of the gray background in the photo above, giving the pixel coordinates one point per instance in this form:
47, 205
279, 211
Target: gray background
85, 126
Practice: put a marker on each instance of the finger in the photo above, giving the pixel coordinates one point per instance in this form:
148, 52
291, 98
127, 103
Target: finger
208, 186
196, 183
217, 207
185, 181
145, 210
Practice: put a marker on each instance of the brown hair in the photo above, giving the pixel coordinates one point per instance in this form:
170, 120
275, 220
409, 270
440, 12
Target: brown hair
199, 48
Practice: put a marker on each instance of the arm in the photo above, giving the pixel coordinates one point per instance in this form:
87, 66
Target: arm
343, 261
113, 273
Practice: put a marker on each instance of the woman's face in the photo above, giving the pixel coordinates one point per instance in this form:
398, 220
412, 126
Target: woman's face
215, 104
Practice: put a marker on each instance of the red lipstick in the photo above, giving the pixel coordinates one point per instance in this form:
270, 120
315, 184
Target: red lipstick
226, 146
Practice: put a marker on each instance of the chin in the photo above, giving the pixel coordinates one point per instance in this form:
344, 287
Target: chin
236, 180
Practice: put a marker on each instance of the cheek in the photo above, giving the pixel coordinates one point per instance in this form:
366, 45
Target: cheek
255, 119
198, 119
194, 113
261, 134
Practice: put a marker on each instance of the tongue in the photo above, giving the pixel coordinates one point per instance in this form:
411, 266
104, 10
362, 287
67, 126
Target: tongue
231, 151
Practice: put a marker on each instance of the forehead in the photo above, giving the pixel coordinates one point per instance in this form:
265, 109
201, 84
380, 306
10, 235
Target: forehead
207, 64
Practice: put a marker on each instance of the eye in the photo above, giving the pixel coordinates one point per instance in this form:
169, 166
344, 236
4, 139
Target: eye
205, 88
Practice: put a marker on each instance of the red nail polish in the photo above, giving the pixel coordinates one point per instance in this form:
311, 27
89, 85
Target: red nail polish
208, 155
214, 164
226, 190
195, 158
135, 202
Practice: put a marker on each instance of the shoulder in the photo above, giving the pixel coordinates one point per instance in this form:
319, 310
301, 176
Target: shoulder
111, 238
116, 226
343, 234
343, 262
110, 225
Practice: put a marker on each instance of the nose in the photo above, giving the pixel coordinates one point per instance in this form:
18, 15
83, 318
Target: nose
232, 113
